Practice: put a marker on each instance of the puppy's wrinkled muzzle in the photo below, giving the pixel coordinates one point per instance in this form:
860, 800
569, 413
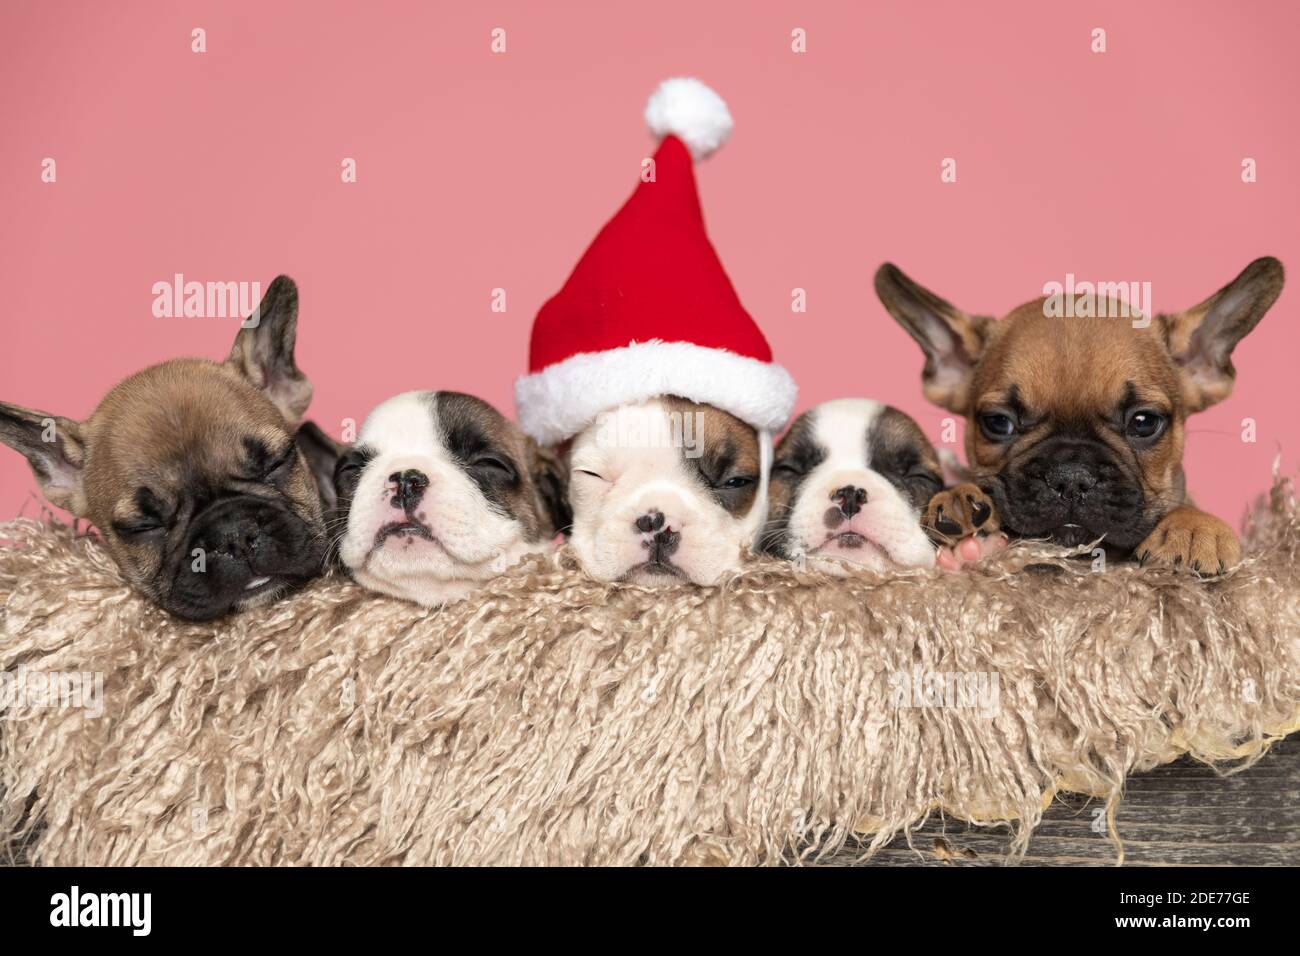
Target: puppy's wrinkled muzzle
239, 549
1072, 492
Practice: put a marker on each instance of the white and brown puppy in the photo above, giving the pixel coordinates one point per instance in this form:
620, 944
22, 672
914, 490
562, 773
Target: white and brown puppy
665, 490
855, 483
439, 494
189, 472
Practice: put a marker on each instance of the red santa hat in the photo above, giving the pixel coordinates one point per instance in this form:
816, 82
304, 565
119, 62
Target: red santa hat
649, 310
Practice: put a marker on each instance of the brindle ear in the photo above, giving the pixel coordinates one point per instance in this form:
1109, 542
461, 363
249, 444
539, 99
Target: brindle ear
322, 453
951, 339
54, 447
1202, 338
550, 474
263, 350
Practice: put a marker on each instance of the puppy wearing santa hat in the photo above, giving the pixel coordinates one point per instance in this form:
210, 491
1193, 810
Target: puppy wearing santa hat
654, 382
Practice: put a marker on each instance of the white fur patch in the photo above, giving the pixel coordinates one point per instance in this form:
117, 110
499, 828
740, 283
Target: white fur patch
889, 523
613, 484
474, 542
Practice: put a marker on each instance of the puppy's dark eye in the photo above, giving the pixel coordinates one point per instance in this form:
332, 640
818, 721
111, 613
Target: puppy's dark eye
737, 481
1145, 425
997, 426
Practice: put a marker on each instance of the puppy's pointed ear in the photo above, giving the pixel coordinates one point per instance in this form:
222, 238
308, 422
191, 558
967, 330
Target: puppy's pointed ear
549, 470
263, 350
55, 449
951, 340
1202, 338
322, 453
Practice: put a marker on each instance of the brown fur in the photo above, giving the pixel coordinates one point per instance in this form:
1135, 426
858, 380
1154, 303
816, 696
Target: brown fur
798, 440
1105, 354
532, 501
174, 429
727, 443
1076, 376
960, 512
896, 433
164, 426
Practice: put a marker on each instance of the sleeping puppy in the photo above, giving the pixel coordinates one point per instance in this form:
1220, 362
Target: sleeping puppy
189, 472
665, 491
856, 483
439, 494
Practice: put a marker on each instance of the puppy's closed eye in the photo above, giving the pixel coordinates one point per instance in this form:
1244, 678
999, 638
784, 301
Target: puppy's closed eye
494, 464
925, 478
265, 464
281, 464
347, 473
137, 529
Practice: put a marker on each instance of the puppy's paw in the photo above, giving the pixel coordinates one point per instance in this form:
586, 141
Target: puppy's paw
963, 524
1193, 539
960, 512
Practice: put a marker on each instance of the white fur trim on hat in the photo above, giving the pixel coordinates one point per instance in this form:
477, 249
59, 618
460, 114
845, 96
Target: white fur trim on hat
563, 399
686, 108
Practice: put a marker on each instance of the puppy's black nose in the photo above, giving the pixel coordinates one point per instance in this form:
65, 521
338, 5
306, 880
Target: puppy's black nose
650, 521
1069, 480
238, 537
665, 543
411, 485
850, 499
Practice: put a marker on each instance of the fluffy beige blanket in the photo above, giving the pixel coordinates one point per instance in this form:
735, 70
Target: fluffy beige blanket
554, 720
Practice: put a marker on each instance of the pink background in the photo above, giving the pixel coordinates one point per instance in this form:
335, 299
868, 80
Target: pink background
478, 171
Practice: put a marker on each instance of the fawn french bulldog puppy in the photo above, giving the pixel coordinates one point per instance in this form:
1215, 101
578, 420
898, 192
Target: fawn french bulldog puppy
855, 483
439, 494
666, 489
189, 471
1076, 425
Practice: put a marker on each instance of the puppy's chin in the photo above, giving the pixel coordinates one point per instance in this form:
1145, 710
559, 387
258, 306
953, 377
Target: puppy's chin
847, 553
850, 553
1071, 531
656, 575
420, 570
263, 590
609, 558
1073, 536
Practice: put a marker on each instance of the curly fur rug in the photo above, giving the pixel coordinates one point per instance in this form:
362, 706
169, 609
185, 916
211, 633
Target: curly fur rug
555, 720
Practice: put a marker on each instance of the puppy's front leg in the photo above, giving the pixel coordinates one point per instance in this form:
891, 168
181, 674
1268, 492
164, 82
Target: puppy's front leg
964, 525
1189, 537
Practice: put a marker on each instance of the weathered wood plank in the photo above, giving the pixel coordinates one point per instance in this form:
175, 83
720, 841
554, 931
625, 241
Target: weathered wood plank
1183, 813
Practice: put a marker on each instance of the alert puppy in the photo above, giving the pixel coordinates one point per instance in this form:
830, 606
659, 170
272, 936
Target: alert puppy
856, 484
1076, 425
439, 494
665, 490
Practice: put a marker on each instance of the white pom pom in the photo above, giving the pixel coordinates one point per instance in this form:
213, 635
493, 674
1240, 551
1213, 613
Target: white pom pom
686, 108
